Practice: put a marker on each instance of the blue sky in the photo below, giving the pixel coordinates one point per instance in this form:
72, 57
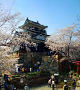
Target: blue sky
56, 14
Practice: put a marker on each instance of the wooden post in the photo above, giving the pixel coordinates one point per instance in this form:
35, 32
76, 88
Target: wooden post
77, 68
77, 63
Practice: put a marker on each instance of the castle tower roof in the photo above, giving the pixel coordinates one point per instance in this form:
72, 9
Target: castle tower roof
29, 22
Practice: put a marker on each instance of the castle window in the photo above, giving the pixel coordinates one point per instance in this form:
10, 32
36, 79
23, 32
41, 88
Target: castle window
36, 29
40, 37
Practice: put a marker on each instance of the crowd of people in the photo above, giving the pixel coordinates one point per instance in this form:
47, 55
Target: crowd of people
20, 69
52, 82
8, 85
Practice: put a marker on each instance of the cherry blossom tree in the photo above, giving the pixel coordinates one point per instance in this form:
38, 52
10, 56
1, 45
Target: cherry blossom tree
8, 27
10, 37
21, 40
66, 41
8, 24
7, 60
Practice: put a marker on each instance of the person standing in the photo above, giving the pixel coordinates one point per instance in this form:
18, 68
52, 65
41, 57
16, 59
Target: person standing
26, 87
5, 85
23, 70
0, 83
66, 87
19, 70
53, 83
16, 70
30, 69
73, 84
11, 86
49, 82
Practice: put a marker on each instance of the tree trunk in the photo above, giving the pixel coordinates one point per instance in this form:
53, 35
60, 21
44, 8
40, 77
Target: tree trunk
68, 51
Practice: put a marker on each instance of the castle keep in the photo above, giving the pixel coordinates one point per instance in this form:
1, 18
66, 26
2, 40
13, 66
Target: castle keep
39, 54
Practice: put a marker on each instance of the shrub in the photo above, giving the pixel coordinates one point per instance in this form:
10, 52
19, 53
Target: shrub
34, 73
45, 72
65, 73
14, 76
77, 75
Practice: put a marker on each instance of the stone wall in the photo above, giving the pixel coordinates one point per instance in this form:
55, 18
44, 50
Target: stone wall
32, 82
29, 59
49, 63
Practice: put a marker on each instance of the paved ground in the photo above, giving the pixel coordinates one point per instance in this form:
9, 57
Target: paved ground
45, 87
